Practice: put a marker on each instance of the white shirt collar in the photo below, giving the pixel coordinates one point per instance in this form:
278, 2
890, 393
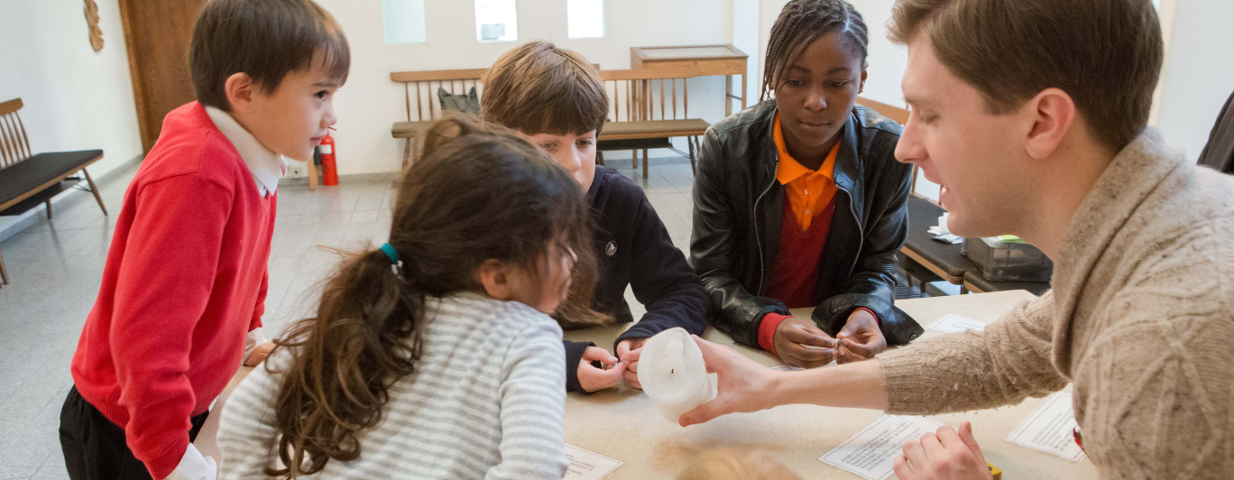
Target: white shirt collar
266, 166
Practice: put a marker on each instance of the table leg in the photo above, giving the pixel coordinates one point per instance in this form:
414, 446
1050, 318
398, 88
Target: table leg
312, 174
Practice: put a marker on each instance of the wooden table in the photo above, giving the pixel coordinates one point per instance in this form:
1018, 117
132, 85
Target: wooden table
622, 423
702, 60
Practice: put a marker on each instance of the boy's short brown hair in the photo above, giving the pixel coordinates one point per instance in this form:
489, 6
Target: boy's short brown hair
267, 39
539, 88
1106, 54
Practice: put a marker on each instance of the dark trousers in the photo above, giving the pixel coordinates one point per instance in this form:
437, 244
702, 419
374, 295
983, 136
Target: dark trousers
95, 449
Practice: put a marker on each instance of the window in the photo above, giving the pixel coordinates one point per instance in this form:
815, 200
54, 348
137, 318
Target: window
496, 20
585, 18
403, 21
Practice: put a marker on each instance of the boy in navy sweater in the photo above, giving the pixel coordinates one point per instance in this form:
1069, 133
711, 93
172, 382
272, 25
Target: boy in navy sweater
556, 97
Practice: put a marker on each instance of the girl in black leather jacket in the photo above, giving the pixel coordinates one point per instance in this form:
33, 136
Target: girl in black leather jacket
799, 201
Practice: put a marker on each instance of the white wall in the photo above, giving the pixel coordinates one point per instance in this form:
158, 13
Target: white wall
370, 102
746, 37
75, 98
768, 11
1199, 72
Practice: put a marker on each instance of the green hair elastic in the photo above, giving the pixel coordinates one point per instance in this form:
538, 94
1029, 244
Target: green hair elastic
395, 263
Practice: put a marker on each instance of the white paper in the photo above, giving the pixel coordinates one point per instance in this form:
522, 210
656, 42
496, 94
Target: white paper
588, 465
872, 452
956, 324
1050, 429
942, 223
950, 239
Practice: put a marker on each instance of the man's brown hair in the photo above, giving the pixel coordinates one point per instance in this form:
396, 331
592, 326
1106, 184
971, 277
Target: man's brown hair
267, 39
539, 88
1106, 54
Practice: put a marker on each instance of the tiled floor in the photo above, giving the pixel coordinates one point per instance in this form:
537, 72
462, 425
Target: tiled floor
55, 267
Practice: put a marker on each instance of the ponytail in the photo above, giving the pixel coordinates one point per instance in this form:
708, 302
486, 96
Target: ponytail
367, 334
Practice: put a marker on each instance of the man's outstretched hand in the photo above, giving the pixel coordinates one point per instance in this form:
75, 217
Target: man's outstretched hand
743, 384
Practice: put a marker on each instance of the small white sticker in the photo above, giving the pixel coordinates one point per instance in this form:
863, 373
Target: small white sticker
326, 149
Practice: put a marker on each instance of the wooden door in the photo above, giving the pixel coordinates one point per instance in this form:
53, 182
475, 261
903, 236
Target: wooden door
157, 33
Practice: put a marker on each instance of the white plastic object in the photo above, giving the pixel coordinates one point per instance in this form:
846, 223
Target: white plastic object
673, 374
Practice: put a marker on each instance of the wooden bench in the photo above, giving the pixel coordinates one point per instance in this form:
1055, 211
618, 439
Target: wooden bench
646, 112
27, 180
420, 96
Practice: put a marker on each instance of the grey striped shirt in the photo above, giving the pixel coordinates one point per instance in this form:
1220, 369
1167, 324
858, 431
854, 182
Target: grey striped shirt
487, 400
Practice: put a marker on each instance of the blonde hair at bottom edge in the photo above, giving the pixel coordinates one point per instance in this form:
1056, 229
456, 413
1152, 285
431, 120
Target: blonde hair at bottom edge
731, 464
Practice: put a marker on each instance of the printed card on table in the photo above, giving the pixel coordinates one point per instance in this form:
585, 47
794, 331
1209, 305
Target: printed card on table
871, 453
957, 324
588, 465
1050, 429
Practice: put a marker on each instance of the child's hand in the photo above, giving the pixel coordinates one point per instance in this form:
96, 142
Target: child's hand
629, 351
800, 343
943, 455
593, 379
259, 354
860, 339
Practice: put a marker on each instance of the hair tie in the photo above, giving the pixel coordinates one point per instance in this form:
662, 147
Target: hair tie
395, 263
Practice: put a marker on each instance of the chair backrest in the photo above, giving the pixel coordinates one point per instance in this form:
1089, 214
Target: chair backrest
420, 89
900, 115
14, 145
896, 114
644, 94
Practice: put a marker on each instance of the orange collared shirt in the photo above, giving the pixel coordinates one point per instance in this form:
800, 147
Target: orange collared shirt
807, 190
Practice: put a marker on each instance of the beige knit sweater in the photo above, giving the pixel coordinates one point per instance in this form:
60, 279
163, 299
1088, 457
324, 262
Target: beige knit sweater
1139, 320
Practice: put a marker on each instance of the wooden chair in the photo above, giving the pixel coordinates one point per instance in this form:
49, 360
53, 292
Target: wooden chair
26, 179
648, 107
420, 90
926, 257
897, 114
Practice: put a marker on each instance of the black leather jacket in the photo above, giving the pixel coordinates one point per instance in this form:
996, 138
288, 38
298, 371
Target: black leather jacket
738, 205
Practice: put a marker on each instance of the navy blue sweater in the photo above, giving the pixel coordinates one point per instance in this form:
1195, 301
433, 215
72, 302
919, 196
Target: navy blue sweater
633, 248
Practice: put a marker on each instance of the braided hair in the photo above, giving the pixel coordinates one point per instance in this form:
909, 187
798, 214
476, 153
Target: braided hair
800, 24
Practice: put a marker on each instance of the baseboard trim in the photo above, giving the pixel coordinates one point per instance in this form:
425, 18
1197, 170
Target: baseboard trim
121, 168
351, 178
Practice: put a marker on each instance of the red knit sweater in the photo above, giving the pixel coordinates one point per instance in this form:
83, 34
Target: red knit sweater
184, 282
794, 275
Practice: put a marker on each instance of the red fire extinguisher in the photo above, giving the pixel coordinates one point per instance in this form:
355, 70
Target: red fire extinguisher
329, 169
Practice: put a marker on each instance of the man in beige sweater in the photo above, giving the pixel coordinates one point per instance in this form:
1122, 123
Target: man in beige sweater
1031, 114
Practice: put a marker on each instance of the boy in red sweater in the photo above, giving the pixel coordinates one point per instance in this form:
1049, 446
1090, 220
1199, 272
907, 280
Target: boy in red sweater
184, 285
